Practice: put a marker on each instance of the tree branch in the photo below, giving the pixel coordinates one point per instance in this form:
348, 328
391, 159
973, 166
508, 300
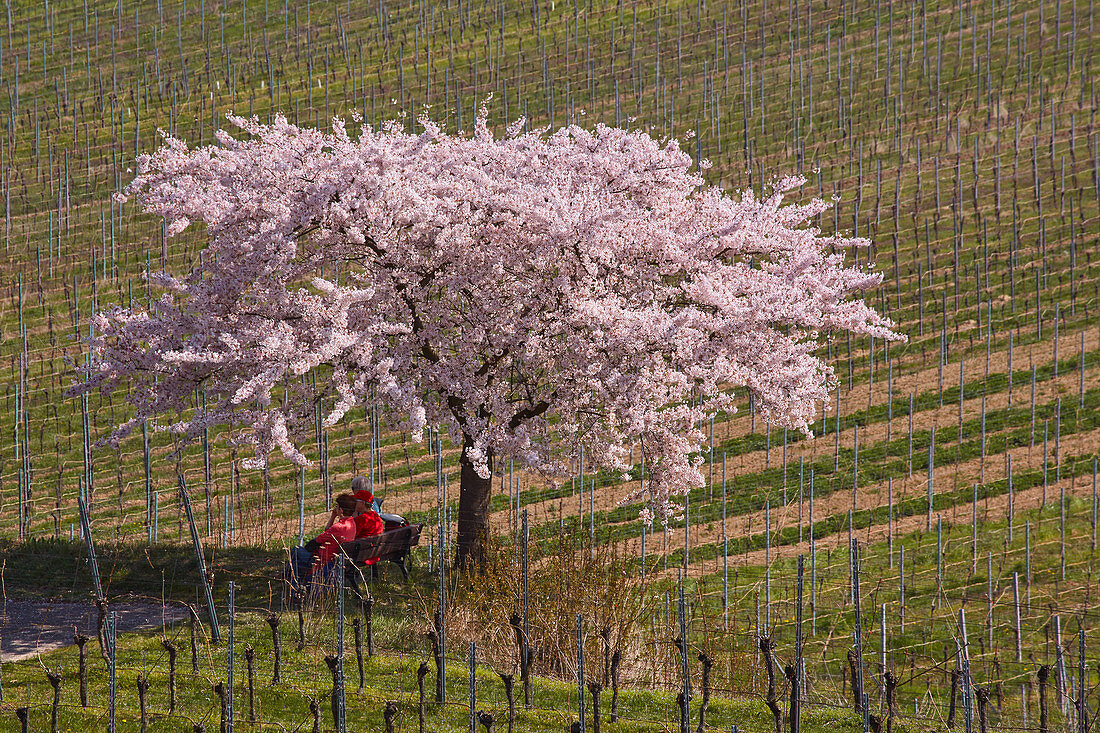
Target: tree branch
528, 412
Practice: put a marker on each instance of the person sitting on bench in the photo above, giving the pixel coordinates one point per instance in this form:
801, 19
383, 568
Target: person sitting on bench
342, 529
367, 521
317, 554
361, 489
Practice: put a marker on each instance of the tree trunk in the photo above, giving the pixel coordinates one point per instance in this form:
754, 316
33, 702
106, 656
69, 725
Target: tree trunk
472, 540
891, 700
982, 694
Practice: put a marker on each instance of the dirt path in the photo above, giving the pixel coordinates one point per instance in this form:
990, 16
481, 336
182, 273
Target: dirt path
925, 379
840, 501
30, 628
406, 498
756, 461
959, 514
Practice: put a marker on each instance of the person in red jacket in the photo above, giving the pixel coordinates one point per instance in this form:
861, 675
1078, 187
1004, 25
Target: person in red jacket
317, 554
339, 530
360, 490
367, 521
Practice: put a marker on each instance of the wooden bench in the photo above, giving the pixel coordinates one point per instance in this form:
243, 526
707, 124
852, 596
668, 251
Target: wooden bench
393, 545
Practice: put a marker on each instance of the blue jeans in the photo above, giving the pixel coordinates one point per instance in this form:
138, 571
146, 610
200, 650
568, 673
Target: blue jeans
325, 577
300, 568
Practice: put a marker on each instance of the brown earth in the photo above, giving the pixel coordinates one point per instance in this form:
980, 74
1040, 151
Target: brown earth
959, 514
948, 414
838, 502
920, 381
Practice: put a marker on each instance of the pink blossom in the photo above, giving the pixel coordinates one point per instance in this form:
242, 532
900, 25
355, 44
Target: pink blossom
534, 293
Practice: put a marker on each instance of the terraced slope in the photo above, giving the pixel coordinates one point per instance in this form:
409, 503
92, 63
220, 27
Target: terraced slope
960, 138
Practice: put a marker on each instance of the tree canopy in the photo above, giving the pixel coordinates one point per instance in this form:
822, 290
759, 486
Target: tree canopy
530, 293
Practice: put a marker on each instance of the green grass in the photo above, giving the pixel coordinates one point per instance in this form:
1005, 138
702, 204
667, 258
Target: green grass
973, 213
335, 58
305, 677
923, 649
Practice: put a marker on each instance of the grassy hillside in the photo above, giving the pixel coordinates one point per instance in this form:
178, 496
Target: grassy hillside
305, 678
960, 138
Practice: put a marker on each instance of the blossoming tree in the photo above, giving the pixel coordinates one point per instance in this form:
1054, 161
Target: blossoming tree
535, 294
